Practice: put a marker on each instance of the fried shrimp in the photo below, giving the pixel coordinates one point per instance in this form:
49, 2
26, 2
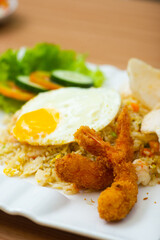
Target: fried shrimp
93, 143
84, 172
116, 201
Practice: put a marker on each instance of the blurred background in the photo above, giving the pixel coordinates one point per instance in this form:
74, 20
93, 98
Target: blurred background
109, 31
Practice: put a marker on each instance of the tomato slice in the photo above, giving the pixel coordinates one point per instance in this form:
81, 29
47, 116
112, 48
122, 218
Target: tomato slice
12, 91
43, 79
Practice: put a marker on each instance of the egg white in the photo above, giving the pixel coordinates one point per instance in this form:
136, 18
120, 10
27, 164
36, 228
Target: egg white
77, 107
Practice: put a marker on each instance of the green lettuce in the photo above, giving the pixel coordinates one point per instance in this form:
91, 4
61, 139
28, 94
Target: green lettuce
9, 65
45, 57
9, 105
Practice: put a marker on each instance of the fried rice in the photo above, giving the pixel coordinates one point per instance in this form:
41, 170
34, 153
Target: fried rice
24, 160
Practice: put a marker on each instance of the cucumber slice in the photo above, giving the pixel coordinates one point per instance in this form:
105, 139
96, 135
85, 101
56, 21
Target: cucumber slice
71, 79
25, 83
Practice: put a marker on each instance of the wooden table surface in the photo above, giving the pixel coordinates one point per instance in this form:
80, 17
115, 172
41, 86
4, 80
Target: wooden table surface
111, 31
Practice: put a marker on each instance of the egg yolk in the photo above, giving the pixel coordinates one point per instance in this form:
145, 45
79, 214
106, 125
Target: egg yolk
36, 124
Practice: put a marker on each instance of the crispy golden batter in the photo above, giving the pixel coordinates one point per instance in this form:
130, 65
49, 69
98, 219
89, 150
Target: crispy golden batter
116, 201
84, 172
123, 149
93, 143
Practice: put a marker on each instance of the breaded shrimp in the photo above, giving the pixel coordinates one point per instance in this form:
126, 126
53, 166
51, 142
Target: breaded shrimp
116, 201
93, 143
84, 172
123, 149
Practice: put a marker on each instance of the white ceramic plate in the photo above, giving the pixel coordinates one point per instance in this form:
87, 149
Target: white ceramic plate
78, 213
5, 14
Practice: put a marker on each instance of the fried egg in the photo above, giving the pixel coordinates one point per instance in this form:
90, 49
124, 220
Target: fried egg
52, 118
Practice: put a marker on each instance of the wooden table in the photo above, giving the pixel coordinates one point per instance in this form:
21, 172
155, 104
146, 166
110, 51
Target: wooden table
111, 31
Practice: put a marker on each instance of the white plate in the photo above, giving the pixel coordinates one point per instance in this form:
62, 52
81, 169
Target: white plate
5, 14
52, 208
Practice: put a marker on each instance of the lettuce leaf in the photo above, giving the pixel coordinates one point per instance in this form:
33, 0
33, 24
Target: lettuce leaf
9, 66
43, 56
9, 105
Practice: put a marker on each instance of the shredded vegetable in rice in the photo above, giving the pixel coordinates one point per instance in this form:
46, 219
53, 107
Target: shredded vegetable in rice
24, 160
